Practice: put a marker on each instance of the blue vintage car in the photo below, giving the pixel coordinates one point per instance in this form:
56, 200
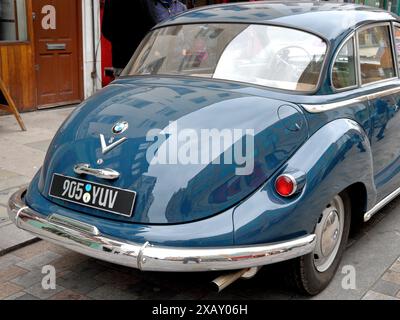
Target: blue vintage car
238, 136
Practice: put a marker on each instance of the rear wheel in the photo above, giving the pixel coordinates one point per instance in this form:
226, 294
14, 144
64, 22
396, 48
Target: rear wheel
312, 273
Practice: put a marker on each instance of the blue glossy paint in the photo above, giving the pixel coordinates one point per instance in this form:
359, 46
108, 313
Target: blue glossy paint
335, 157
385, 141
379, 119
209, 205
175, 193
195, 234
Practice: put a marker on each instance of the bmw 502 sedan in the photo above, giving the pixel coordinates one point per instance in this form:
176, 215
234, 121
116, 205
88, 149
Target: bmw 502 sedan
238, 136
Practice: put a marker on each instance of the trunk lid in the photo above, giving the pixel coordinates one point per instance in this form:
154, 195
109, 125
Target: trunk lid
176, 192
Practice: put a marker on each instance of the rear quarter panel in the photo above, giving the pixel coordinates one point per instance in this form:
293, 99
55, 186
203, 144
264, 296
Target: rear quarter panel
335, 157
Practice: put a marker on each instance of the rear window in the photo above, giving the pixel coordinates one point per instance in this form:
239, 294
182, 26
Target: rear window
271, 56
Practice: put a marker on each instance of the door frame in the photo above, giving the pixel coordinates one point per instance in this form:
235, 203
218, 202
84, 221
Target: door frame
79, 4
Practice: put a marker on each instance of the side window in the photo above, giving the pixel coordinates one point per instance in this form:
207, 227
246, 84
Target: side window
376, 59
344, 69
397, 42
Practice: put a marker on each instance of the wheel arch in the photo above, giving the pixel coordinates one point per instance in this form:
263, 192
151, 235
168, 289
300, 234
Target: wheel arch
358, 195
339, 158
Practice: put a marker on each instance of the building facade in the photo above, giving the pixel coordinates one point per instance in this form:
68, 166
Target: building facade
49, 51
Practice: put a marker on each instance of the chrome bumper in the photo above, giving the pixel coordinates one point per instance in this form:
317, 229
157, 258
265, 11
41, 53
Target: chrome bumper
87, 239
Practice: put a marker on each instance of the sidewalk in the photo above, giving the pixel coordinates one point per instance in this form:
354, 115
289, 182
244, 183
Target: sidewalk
21, 155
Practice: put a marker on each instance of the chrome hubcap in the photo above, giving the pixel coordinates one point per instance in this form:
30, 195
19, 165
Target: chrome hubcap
329, 233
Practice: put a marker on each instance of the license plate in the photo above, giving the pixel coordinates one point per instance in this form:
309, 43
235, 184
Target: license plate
93, 195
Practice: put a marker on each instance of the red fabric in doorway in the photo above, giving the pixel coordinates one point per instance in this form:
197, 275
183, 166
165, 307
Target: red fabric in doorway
106, 53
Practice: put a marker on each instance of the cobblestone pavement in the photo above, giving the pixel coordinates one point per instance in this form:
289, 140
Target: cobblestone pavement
373, 250
81, 278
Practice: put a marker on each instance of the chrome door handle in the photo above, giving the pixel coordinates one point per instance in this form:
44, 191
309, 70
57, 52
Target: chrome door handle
85, 169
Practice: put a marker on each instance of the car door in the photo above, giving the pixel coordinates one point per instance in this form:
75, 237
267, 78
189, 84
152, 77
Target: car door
379, 77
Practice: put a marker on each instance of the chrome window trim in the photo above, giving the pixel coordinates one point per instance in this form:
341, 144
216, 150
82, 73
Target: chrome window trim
394, 53
344, 42
379, 81
358, 59
395, 24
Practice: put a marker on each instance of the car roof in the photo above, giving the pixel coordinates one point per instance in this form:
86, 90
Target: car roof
327, 19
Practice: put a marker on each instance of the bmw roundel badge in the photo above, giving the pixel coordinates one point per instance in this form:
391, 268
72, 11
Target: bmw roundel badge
120, 127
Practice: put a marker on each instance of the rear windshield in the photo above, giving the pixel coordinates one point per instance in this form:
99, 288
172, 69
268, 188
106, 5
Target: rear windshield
271, 56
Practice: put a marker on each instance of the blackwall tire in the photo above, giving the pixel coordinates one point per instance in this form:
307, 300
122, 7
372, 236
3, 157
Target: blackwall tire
311, 274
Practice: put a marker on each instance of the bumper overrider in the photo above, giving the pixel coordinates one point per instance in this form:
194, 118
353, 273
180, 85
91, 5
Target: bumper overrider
88, 240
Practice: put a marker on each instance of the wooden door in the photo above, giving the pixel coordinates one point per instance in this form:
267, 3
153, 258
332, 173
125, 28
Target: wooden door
57, 51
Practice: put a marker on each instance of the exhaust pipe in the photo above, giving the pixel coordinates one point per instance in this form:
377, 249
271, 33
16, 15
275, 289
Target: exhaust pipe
226, 280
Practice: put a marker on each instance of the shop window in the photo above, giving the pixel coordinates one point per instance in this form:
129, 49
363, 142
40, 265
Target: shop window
13, 26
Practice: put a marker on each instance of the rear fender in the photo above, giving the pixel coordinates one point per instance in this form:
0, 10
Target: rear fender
334, 158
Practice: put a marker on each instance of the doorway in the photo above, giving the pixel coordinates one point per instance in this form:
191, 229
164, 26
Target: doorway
58, 52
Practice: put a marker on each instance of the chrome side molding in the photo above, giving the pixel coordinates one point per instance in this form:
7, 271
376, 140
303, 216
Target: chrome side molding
107, 174
381, 204
316, 108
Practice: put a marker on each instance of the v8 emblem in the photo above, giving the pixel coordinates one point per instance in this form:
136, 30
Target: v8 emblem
107, 148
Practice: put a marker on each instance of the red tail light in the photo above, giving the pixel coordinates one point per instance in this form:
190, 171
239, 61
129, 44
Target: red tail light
286, 185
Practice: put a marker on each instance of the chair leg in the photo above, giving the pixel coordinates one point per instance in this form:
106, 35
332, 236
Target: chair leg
11, 107
16, 114
20, 121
